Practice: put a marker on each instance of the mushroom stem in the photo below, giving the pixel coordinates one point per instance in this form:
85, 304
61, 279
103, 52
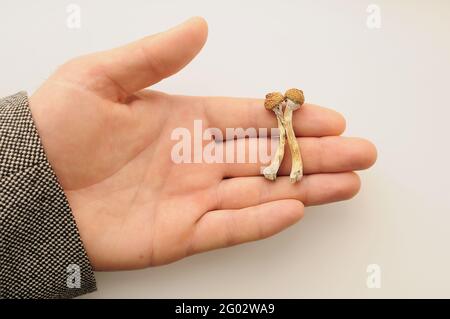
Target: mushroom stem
270, 172
297, 164
274, 101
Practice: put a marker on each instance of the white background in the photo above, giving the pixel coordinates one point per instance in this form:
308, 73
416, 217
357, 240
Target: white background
392, 84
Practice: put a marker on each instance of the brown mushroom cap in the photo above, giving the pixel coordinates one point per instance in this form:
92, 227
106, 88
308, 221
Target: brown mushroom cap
273, 99
295, 95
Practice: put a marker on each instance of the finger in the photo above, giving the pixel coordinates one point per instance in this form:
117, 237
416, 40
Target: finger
223, 228
147, 61
316, 189
330, 154
309, 120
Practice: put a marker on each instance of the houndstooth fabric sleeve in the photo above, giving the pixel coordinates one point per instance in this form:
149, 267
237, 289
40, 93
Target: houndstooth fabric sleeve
41, 253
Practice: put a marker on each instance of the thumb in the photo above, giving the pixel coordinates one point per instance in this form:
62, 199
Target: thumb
147, 61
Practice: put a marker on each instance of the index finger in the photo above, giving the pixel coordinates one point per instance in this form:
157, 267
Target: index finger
310, 120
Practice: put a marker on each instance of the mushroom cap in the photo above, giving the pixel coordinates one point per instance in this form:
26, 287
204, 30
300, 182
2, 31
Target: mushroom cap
273, 99
295, 95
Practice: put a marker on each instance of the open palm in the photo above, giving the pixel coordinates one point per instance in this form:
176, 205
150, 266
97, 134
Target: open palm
110, 146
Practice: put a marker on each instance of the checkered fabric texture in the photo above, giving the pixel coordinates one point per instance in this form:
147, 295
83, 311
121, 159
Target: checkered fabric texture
39, 240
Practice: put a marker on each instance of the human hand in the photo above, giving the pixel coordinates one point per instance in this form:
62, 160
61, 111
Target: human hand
110, 146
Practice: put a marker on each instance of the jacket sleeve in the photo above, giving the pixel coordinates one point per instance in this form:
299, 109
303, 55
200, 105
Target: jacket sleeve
41, 253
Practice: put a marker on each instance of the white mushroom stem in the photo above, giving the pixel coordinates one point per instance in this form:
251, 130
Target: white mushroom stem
297, 164
270, 172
